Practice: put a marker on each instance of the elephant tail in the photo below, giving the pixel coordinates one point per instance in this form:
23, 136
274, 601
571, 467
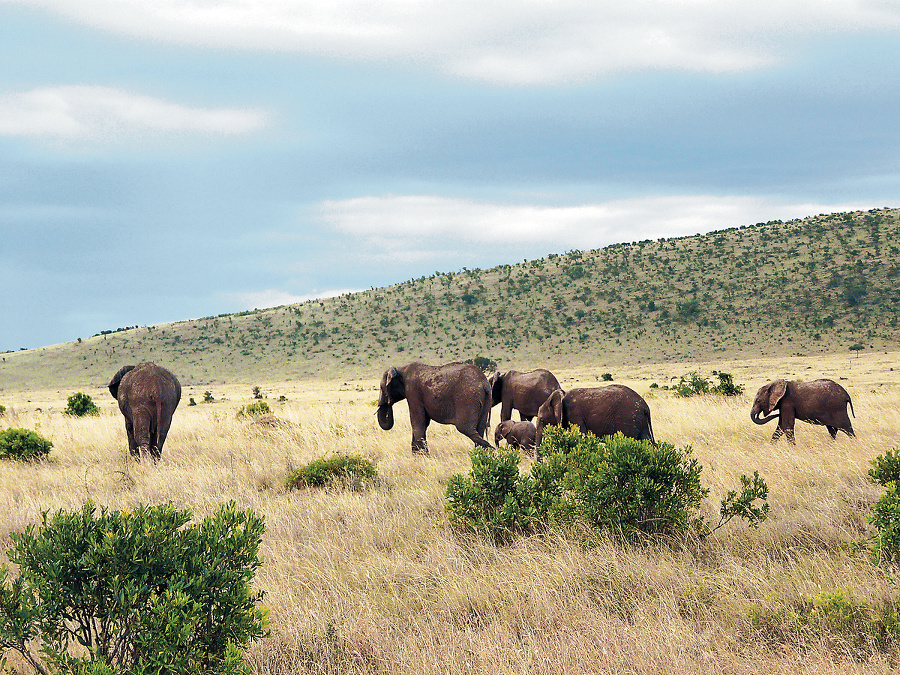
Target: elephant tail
850, 401
484, 422
650, 433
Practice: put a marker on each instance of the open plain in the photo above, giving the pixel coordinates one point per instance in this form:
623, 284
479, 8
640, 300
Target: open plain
378, 582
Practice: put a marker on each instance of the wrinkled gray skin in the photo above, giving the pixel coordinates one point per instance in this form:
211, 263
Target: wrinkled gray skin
148, 395
524, 392
518, 435
603, 411
818, 402
455, 393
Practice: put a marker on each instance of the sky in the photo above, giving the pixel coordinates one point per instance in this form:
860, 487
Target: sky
166, 160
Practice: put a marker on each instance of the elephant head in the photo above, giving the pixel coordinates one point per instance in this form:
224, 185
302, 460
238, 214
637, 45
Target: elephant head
393, 389
550, 412
501, 431
768, 398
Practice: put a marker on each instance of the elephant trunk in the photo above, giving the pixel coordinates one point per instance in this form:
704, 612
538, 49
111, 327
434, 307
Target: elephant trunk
755, 416
385, 414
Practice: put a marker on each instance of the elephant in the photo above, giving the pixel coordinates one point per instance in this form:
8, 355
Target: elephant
603, 411
148, 395
454, 393
818, 402
519, 435
522, 391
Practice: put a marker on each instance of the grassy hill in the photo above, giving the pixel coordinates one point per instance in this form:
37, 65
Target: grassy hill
822, 284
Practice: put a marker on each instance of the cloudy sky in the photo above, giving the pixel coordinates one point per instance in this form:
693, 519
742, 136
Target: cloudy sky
168, 160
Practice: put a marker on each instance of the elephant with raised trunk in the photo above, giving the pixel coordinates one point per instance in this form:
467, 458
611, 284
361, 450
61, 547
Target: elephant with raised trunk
148, 395
821, 402
455, 393
603, 411
518, 435
524, 392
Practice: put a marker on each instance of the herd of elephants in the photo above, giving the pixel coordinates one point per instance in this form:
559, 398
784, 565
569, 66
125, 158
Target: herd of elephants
460, 394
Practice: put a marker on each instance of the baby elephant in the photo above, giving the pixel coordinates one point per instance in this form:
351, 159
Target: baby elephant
818, 402
518, 435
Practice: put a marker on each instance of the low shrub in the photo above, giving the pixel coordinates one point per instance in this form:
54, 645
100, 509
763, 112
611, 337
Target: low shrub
691, 384
2, 410
137, 591
349, 471
726, 386
23, 444
617, 484
885, 516
79, 405
255, 409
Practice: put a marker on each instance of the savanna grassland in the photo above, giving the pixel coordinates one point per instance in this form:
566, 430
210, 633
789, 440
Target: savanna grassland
377, 581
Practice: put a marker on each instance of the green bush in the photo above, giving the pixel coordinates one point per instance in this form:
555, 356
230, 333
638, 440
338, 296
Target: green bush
79, 405
349, 471
726, 385
886, 468
2, 410
23, 444
617, 484
607, 377
255, 409
494, 500
691, 384
137, 591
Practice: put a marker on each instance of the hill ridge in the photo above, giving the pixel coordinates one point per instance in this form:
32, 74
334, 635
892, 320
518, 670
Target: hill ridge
807, 286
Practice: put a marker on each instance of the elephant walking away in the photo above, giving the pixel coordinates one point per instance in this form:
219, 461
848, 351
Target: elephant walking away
821, 402
455, 393
148, 395
524, 392
603, 411
518, 435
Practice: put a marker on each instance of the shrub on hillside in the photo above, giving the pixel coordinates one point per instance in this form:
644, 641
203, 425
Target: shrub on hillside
617, 484
79, 405
23, 444
348, 471
137, 591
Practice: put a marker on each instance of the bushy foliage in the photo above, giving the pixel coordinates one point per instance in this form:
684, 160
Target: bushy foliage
836, 617
617, 484
2, 410
255, 409
349, 471
726, 385
885, 516
691, 384
485, 363
136, 591
79, 405
23, 444
886, 468
494, 499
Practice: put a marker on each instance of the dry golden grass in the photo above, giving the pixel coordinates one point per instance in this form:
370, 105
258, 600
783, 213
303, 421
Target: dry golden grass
377, 581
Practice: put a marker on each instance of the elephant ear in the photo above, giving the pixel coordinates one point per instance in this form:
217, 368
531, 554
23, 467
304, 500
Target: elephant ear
396, 387
496, 382
777, 390
117, 378
556, 403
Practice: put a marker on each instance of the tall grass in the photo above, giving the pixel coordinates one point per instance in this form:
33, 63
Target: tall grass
376, 581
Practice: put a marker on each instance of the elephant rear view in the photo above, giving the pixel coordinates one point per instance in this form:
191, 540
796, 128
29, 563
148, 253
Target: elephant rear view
524, 392
603, 411
456, 393
148, 395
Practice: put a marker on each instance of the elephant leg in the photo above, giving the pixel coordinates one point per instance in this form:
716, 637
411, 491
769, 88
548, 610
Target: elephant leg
526, 418
161, 433
832, 430
778, 432
786, 422
132, 446
475, 437
419, 424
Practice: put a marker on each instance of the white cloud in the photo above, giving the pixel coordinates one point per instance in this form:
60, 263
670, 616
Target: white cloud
422, 227
510, 41
273, 297
103, 113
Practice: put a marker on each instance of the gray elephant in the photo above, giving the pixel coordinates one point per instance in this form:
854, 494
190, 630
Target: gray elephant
603, 411
518, 435
818, 402
455, 393
524, 392
148, 395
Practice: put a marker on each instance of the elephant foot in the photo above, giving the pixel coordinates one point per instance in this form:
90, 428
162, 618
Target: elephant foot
420, 449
